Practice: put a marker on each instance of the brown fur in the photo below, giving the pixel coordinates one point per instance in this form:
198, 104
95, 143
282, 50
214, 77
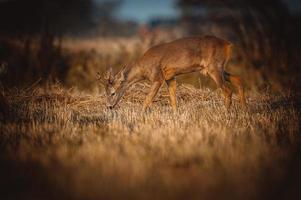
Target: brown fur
162, 63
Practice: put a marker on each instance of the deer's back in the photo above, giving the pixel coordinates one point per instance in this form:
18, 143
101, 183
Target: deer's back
186, 55
202, 46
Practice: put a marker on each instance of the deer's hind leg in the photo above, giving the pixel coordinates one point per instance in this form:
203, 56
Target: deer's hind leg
172, 86
238, 85
216, 75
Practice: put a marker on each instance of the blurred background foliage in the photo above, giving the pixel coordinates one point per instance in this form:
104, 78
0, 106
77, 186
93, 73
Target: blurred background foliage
42, 41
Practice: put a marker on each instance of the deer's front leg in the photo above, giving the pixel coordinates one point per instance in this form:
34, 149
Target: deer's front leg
172, 86
149, 98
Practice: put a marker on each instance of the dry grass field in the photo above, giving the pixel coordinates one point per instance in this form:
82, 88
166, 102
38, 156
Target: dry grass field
59, 143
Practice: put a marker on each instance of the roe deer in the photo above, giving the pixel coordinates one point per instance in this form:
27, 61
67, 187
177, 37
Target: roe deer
208, 55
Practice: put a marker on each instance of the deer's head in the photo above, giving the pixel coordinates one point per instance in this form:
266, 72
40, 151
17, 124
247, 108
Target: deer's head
114, 86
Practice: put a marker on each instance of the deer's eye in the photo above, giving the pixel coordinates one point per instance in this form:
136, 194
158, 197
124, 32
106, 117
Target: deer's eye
113, 94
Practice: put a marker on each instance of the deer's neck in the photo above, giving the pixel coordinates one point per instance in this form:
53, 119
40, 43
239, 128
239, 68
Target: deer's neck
132, 74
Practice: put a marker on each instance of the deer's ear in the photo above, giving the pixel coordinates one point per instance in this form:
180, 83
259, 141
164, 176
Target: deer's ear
122, 78
100, 78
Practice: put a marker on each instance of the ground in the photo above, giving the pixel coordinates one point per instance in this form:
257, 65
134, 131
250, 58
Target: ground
59, 143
